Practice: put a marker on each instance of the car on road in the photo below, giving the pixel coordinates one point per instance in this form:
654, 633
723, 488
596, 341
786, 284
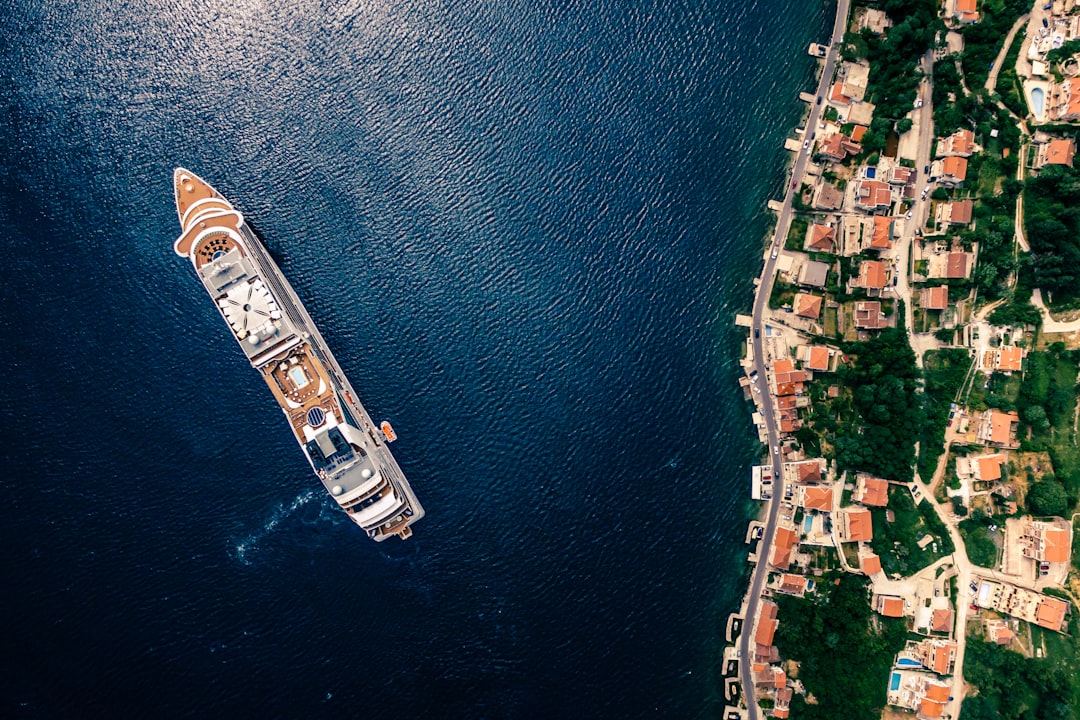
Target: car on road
908, 216
757, 333
918, 103
926, 169
776, 448
819, 97
775, 252
806, 144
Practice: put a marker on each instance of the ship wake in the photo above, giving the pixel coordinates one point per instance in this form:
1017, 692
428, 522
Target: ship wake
250, 544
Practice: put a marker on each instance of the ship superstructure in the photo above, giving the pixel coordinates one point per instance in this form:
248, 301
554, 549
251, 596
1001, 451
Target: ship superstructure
345, 448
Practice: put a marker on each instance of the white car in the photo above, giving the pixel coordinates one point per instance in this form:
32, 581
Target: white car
806, 144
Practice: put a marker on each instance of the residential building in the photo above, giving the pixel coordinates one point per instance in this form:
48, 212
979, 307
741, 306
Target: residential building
786, 379
1059, 151
1049, 542
872, 195
793, 585
961, 143
955, 213
808, 306
820, 238
868, 315
1064, 101
858, 526
985, 468
816, 497
814, 274
805, 472
828, 197
900, 175
966, 12
783, 547
935, 298
1004, 359
889, 605
837, 147
764, 650
952, 171
998, 429
871, 491
817, 358
873, 276
998, 631
942, 620
937, 655
883, 233
870, 564
954, 265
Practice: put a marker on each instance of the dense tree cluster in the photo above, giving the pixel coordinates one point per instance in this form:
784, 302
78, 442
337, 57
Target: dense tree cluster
982, 40
845, 662
1052, 223
944, 371
1012, 687
884, 382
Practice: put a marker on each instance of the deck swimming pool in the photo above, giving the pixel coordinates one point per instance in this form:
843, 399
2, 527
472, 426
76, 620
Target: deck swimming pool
908, 663
1038, 99
894, 683
808, 523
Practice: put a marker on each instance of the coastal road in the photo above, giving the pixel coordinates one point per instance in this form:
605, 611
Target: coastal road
761, 301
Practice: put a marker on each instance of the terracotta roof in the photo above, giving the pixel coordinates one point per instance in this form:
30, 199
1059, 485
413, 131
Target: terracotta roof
817, 498
960, 212
1001, 426
792, 583
868, 315
956, 264
882, 238
871, 564
837, 95
940, 658
1060, 151
808, 306
859, 525
872, 274
999, 632
767, 623
819, 358
1010, 358
1056, 545
955, 168
809, 471
942, 620
785, 402
967, 10
873, 491
1051, 613
857, 132
822, 238
780, 713
989, 467
935, 298
937, 693
1073, 107
890, 606
782, 547
783, 366
873, 194
961, 142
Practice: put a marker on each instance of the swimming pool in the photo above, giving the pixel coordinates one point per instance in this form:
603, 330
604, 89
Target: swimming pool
298, 377
907, 662
1038, 99
808, 523
894, 684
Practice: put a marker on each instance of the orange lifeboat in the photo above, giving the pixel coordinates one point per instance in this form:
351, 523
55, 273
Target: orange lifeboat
388, 431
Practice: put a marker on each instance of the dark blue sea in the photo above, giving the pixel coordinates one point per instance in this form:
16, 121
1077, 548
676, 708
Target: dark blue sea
524, 228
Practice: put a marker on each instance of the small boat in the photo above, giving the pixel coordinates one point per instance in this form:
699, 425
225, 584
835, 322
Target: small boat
388, 431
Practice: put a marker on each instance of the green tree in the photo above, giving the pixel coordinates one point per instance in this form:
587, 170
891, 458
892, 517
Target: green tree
1047, 497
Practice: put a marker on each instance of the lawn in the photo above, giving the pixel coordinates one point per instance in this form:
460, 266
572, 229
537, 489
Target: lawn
897, 543
979, 542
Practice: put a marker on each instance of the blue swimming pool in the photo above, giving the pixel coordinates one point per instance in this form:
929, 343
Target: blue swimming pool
894, 684
907, 662
807, 523
871, 172
1038, 98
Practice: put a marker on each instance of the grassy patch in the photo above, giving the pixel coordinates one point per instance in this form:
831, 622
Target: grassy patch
979, 542
944, 372
897, 543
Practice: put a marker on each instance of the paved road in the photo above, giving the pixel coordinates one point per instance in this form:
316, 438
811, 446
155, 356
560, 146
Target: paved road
991, 79
761, 301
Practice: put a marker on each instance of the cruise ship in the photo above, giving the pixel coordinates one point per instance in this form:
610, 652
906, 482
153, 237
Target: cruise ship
346, 450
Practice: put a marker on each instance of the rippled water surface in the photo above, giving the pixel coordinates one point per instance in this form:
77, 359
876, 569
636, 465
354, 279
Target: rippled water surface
524, 228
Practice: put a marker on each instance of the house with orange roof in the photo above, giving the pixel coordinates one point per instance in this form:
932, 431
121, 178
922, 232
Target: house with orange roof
1050, 613
966, 12
955, 213
955, 265
1059, 151
934, 701
900, 175
918, 691
804, 472
807, 306
1005, 359
786, 380
792, 584
783, 545
882, 238
960, 144
941, 620
868, 315
987, 468
936, 654
1049, 542
818, 358
857, 132
816, 497
935, 298
783, 702
952, 171
764, 650
998, 631
837, 96
858, 526
871, 491
820, 238
873, 276
1064, 102
838, 147
998, 428
889, 605
870, 564
873, 195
